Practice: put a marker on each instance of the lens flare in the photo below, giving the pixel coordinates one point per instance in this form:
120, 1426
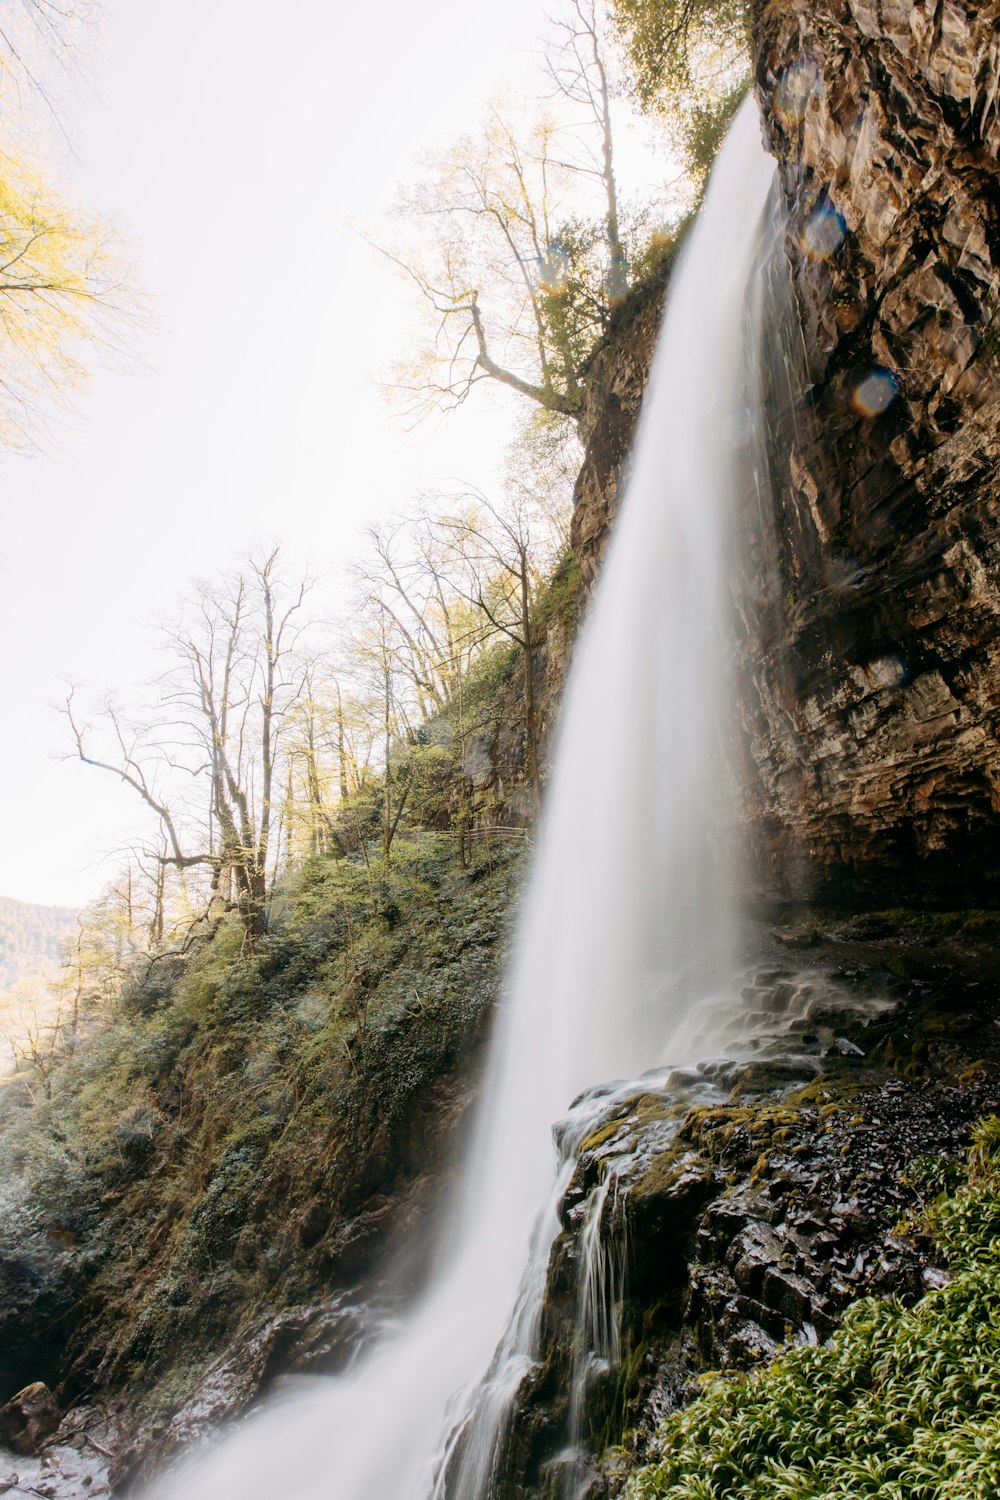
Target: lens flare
890, 671
876, 392
552, 272
824, 233
797, 85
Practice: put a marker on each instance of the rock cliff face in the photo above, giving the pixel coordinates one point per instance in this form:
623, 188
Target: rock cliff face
872, 691
616, 380
873, 713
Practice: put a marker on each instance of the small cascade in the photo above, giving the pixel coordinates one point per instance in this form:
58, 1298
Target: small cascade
629, 925
602, 1284
603, 1257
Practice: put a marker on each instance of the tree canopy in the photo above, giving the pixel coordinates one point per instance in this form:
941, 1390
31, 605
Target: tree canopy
688, 60
66, 298
519, 238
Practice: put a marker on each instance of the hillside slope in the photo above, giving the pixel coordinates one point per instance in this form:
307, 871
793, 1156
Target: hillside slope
30, 937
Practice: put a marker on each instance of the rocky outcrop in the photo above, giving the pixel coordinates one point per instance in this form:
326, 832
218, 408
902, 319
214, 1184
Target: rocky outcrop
874, 700
754, 1198
615, 382
28, 1418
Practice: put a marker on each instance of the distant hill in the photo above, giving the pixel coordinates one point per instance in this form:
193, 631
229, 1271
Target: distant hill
30, 937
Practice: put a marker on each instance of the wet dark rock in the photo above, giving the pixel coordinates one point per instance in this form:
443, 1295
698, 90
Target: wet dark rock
752, 1222
616, 382
320, 1340
28, 1418
871, 705
754, 1250
795, 937
874, 701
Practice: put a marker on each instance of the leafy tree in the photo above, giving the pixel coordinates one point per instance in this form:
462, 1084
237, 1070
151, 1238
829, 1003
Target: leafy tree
520, 246
32, 1027
690, 63
65, 292
63, 299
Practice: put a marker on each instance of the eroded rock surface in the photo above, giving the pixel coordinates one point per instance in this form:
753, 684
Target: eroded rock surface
28, 1418
616, 381
873, 712
870, 623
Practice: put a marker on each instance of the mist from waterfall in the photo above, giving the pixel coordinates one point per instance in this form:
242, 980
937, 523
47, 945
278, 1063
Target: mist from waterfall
628, 922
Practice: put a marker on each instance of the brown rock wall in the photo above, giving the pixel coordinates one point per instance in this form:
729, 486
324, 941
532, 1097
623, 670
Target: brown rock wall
874, 704
871, 647
615, 384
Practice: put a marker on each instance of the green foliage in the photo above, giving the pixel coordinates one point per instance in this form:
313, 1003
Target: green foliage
64, 299
690, 63
656, 261
152, 1205
901, 1402
561, 600
667, 42
707, 124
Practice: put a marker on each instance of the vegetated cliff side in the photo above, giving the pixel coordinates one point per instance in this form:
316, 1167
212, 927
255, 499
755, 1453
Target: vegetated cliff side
246, 1161
214, 1190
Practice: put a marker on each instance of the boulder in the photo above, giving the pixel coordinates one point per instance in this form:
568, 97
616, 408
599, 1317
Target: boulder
28, 1418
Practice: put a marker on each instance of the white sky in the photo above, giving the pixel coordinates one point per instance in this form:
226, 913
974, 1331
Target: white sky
234, 141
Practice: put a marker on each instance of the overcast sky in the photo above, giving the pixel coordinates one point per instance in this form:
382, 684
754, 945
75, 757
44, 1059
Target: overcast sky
235, 142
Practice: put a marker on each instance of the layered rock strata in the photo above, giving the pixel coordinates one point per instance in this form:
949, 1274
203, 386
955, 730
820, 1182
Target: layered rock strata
870, 604
615, 382
873, 705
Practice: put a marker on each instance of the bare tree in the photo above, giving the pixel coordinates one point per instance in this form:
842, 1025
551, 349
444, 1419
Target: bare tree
208, 764
519, 248
579, 71
505, 551
435, 635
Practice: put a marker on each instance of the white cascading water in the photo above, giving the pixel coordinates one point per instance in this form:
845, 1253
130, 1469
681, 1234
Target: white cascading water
628, 922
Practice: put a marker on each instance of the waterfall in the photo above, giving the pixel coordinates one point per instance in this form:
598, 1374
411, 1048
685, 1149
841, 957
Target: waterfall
629, 921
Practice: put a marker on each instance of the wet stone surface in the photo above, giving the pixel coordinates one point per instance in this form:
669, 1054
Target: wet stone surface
756, 1194
71, 1464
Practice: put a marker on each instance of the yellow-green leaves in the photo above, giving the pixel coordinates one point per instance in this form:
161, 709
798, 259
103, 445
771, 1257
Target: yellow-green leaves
63, 300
